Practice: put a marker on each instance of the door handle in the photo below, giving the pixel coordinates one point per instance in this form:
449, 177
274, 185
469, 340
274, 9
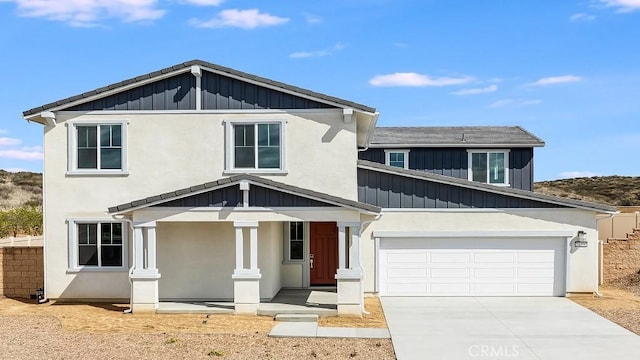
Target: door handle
311, 261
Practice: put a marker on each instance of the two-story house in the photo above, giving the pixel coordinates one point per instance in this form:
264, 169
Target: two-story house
200, 182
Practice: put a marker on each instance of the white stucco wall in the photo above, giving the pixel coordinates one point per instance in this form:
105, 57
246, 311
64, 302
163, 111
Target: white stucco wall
170, 151
196, 260
583, 262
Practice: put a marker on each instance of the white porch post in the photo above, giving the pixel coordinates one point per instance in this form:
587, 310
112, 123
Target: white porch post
151, 248
246, 282
144, 277
341, 248
253, 247
239, 249
349, 280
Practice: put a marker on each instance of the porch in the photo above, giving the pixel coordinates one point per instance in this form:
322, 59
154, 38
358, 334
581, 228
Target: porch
287, 301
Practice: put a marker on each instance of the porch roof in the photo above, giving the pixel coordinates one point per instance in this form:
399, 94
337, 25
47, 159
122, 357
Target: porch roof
236, 179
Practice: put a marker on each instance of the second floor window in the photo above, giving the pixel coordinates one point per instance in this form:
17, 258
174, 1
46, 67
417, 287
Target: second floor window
397, 158
97, 148
256, 146
489, 167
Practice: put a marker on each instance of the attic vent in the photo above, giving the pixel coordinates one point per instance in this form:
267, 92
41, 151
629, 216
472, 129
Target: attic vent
463, 137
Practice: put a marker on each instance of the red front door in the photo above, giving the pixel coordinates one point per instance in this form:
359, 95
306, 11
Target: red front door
323, 253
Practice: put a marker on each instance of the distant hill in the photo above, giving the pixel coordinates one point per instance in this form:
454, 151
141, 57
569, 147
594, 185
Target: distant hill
612, 190
18, 189
25, 188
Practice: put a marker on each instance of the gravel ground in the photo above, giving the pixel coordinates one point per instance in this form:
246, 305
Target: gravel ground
28, 337
622, 306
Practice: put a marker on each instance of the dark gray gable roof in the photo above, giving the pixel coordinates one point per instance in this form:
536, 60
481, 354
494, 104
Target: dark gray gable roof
454, 136
173, 195
205, 64
523, 194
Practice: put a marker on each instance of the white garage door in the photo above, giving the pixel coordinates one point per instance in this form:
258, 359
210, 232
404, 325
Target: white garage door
472, 267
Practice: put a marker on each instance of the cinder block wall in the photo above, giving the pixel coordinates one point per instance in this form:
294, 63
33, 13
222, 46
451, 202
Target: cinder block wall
621, 258
21, 271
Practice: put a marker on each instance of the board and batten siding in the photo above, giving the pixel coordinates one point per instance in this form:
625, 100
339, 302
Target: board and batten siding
173, 93
218, 93
454, 162
232, 196
395, 191
222, 93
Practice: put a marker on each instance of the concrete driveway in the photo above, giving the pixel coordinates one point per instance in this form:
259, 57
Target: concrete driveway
503, 328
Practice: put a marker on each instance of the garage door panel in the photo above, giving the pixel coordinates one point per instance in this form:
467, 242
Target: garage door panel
494, 257
473, 267
447, 273
508, 273
445, 257
402, 257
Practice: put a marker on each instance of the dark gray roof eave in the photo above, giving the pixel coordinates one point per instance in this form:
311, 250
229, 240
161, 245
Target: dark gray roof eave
602, 208
188, 64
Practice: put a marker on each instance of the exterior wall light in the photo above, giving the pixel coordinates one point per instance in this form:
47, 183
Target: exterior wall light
581, 240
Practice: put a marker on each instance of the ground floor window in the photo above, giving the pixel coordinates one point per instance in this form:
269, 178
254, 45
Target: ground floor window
97, 244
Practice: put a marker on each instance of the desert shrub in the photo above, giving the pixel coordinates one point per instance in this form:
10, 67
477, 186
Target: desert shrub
26, 219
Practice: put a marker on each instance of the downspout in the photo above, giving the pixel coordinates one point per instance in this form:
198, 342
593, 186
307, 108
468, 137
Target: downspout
133, 257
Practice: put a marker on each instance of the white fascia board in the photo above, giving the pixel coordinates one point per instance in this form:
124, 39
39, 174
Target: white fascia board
455, 145
372, 120
200, 112
474, 234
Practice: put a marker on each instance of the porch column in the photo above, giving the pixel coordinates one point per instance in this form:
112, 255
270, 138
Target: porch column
349, 280
246, 282
144, 276
341, 248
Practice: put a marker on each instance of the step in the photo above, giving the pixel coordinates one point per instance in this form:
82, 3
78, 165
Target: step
296, 317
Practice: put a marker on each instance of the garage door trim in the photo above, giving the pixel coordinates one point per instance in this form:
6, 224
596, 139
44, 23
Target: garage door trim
566, 234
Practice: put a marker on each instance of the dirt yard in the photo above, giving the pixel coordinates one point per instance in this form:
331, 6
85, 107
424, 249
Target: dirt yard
102, 331
621, 306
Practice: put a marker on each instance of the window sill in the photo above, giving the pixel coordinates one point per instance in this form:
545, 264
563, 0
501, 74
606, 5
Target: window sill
255, 171
97, 269
96, 173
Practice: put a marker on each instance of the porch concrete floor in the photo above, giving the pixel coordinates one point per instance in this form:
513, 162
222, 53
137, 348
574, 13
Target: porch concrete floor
322, 302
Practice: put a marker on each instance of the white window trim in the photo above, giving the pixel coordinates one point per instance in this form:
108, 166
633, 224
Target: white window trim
287, 243
487, 151
229, 153
74, 267
72, 153
388, 152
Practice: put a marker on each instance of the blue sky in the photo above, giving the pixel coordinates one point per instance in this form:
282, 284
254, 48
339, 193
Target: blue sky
568, 71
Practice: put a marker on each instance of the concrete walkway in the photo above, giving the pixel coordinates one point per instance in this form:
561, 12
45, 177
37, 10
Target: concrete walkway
541, 328
312, 330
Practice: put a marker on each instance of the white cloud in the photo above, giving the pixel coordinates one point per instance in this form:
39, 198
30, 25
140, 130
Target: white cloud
623, 6
577, 174
475, 91
514, 103
203, 2
245, 19
89, 12
21, 154
553, 80
7, 141
581, 17
317, 53
416, 80
400, 44
313, 19
3, 131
